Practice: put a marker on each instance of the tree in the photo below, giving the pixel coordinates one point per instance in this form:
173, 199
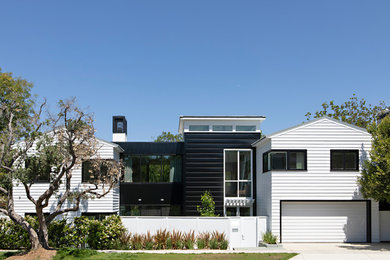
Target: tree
207, 209
169, 137
353, 111
32, 148
375, 178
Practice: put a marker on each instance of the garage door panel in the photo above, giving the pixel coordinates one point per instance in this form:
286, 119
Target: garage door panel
323, 221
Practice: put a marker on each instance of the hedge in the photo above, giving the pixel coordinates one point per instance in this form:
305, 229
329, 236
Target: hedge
82, 232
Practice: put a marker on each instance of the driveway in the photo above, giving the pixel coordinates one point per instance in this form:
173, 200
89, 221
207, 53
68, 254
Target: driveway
343, 251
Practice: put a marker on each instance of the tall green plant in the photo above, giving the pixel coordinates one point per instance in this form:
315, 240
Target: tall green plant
375, 178
207, 207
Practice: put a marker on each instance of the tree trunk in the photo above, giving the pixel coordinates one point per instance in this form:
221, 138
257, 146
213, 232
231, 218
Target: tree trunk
43, 234
35, 244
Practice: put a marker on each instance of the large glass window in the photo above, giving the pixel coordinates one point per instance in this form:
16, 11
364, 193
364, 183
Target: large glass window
238, 173
150, 210
344, 160
152, 168
284, 160
199, 128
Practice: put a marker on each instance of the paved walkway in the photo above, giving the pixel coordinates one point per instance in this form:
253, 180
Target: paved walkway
343, 251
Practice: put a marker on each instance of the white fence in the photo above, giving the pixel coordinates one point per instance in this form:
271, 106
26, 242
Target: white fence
240, 231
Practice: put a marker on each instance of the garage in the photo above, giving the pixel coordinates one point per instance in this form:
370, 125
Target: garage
325, 221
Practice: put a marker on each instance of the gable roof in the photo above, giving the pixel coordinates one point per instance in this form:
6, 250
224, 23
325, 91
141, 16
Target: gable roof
360, 129
110, 144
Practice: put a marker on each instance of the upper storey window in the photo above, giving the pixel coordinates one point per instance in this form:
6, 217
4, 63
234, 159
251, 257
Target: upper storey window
152, 168
238, 173
344, 160
245, 128
223, 128
284, 160
199, 128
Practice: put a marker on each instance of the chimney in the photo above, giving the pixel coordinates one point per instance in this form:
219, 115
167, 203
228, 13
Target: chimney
119, 129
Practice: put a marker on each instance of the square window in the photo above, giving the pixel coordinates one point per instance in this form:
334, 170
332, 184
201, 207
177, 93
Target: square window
231, 189
344, 160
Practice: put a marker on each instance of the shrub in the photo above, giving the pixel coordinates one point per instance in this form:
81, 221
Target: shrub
207, 209
12, 236
137, 242
104, 234
189, 240
148, 241
160, 238
176, 239
203, 240
269, 238
218, 241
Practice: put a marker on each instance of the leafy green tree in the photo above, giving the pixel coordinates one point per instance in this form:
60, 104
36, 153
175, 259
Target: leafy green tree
33, 149
375, 178
168, 137
354, 111
207, 209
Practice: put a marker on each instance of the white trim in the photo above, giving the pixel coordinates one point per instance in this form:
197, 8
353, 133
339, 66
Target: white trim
238, 179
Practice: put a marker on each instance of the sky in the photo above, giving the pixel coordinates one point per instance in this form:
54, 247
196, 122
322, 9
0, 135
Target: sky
153, 61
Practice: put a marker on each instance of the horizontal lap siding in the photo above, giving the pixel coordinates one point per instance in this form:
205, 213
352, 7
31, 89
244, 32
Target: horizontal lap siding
318, 182
109, 203
203, 165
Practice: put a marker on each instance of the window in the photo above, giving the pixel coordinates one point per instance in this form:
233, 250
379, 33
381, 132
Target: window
199, 128
284, 160
344, 160
222, 128
152, 168
238, 211
119, 127
89, 175
238, 173
96, 216
150, 210
37, 170
245, 128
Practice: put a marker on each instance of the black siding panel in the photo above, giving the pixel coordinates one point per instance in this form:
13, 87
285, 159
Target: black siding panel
152, 148
203, 166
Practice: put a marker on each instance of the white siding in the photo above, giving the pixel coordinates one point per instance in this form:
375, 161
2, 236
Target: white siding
107, 204
318, 182
263, 196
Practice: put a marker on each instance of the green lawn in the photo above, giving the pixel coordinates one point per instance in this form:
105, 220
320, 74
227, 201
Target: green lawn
90, 254
4, 255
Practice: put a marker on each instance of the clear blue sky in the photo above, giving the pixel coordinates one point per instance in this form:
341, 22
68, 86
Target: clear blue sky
153, 61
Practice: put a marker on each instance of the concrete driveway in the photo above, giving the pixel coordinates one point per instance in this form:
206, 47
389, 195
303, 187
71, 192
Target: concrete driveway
344, 251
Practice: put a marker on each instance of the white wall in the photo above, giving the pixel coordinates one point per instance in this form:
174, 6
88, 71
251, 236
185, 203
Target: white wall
241, 232
318, 182
107, 204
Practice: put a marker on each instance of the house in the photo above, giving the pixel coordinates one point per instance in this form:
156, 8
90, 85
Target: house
307, 183
179, 173
302, 179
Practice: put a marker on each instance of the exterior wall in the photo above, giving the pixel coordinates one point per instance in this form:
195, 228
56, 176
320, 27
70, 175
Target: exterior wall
106, 204
264, 184
318, 182
203, 166
241, 232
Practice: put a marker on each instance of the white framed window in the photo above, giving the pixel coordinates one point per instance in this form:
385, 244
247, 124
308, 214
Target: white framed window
238, 173
200, 128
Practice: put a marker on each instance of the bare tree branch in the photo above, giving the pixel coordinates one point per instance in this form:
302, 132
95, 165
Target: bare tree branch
27, 188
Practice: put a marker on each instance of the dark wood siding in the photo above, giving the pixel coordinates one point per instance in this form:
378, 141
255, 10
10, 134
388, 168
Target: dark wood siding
203, 166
